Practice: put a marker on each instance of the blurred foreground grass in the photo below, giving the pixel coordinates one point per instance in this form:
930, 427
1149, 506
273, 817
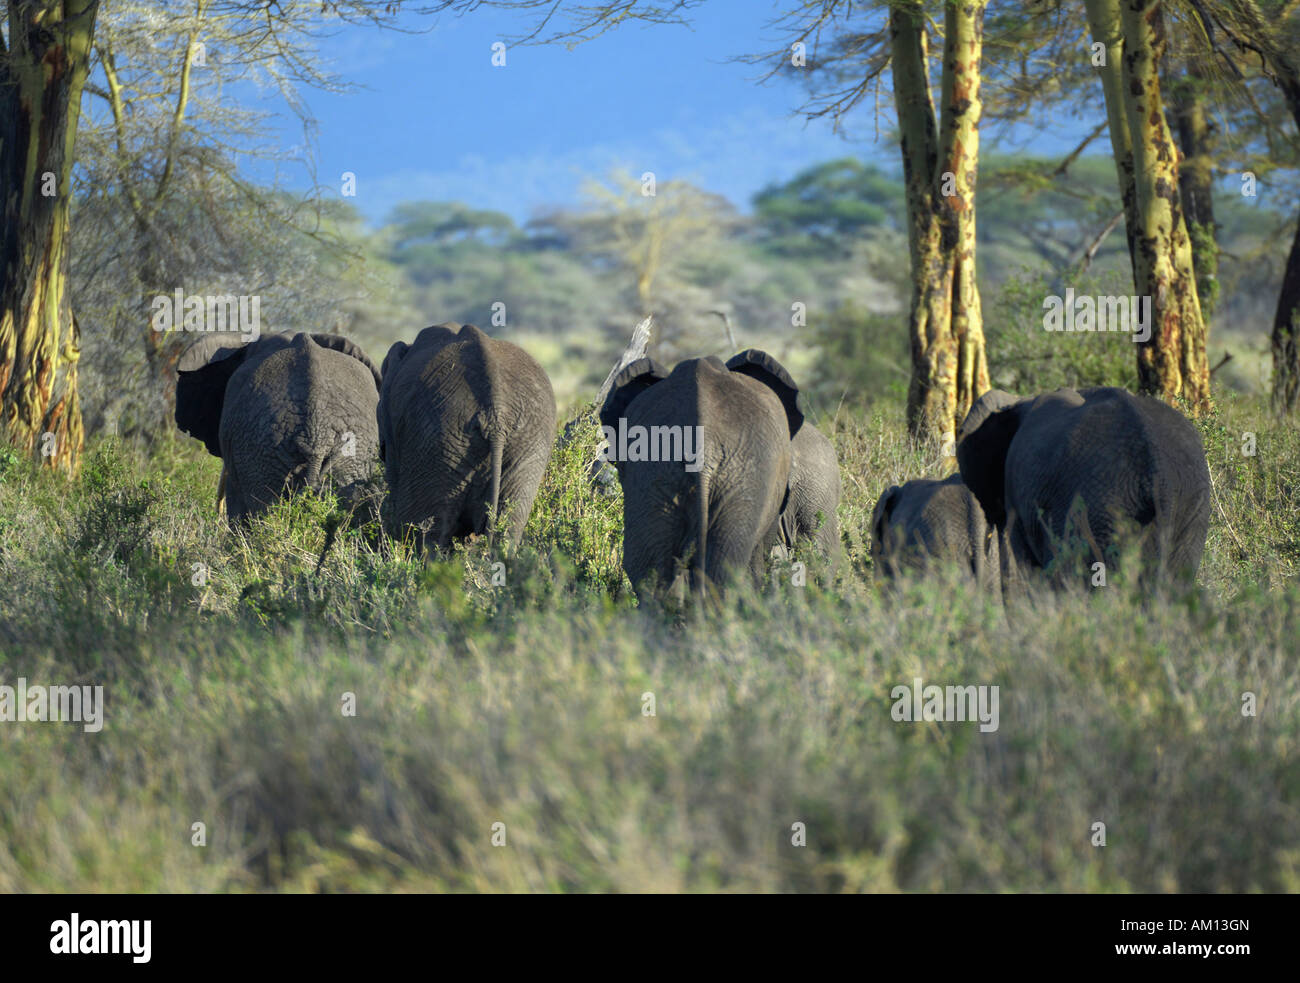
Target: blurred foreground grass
523, 704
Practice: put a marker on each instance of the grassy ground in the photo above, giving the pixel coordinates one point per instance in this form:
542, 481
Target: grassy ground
525, 703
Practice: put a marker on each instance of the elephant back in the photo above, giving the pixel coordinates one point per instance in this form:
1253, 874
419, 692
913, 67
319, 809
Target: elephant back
345, 346
311, 375
742, 423
454, 364
929, 521
1103, 464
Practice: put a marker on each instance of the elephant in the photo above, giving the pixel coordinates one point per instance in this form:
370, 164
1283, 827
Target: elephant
1095, 463
466, 426
926, 522
283, 412
810, 512
708, 490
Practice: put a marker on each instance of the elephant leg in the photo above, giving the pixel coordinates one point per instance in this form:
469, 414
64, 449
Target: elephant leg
771, 541
648, 560
519, 486
993, 577
736, 542
1017, 561
260, 480
828, 538
457, 521
1187, 542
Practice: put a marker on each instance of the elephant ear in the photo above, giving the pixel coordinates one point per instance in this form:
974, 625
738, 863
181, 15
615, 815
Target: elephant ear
884, 511
761, 366
202, 373
394, 357
628, 385
340, 344
388, 373
982, 444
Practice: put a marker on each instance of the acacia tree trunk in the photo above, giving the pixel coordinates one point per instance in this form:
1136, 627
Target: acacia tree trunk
1286, 318
1172, 363
1104, 22
1196, 183
1286, 354
1256, 34
949, 367
41, 78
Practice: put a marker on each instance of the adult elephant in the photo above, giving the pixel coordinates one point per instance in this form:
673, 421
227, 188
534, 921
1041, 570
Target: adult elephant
466, 424
926, 523
708, 484
810, 512
1096, 464
283, 412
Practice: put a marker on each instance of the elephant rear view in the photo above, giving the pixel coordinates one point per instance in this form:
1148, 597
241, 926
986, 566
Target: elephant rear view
810, 513
926, 524
284, 412
466, 424
1093, 463
703, 455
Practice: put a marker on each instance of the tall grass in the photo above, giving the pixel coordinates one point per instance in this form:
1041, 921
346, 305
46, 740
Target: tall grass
526, 703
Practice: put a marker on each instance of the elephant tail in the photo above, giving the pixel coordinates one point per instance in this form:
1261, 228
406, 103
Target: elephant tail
305, 475
699, 561
221, 487
497, 442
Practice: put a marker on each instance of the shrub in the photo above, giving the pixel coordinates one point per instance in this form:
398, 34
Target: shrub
1024, 358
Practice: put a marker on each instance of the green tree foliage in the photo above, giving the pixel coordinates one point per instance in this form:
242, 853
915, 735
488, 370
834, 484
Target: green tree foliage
824, 208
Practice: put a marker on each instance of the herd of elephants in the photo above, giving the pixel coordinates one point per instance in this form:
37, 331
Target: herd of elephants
465, 424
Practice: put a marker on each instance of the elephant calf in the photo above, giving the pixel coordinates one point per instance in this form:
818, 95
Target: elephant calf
926, 523
466, 424
810, 509
1097, 464
703, 455
283, 412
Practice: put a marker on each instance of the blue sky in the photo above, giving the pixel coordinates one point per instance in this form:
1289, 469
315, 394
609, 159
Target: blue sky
432, 118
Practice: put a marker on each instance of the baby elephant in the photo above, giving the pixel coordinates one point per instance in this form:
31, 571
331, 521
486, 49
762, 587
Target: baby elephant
466, 424
809, 513
929, 522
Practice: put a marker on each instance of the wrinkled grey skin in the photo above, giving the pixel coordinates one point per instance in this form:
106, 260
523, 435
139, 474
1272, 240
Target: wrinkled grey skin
1106, 460
466, 425
283, 413
722, 518
810, 513
926, 524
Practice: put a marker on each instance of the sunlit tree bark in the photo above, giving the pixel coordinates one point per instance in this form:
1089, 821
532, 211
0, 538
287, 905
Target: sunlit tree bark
949, 367
42, 73
1189, 118
1172, 362
1104, 21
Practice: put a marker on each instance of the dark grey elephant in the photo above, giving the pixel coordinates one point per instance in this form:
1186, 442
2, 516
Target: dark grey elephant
1094, 466
283, 412
810, 512
466, 425
926, 524
703, 455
